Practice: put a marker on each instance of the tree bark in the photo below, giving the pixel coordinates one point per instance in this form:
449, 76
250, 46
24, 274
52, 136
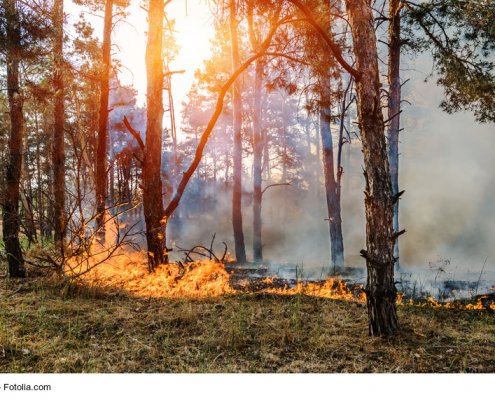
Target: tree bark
332, 192
11, 222
151, 179
58, 151
254, 38
101, 151
394, 108
257, 163
380, 289
240, 248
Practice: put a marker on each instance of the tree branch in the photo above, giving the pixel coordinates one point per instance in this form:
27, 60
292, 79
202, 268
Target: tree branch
174, 203
333, 47
134, 133
273, 185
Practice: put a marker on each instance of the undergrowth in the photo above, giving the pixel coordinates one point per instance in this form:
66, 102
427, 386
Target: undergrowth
45, 327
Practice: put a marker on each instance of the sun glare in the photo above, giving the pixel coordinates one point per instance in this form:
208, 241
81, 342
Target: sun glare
193, 30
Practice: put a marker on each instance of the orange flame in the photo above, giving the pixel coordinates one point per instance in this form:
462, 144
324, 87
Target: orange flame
207, 278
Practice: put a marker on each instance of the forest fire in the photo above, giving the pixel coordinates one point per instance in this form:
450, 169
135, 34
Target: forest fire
199, 279
215, 186
127, 273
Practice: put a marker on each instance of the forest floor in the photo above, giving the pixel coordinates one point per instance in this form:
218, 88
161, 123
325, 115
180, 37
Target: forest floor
44, 328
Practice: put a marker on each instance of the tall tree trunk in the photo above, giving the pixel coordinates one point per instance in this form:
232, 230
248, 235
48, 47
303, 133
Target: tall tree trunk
26, 197
332, 192
240, 248
152, 182
380, 289
101, 150
39, 180
174, 159
257, 163
11, 222
394, 107
254, 38
318, 152
58, 153
284, 142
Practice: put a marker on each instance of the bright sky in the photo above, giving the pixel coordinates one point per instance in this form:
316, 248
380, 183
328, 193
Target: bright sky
194, 28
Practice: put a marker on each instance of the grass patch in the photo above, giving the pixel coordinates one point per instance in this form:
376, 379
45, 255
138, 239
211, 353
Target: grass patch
45, 329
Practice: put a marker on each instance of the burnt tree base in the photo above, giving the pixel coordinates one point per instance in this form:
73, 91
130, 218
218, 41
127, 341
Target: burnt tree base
382, 315
381, 296
100, 225
157, 252
155, 230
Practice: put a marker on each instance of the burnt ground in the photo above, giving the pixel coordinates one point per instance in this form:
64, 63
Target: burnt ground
48, 328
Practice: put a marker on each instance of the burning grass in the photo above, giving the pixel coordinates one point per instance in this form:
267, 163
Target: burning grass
199, 279
195, 320
210, 278
128, 273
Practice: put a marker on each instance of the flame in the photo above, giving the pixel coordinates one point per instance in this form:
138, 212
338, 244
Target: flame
481, 303
207, 278
199, 279
331, 288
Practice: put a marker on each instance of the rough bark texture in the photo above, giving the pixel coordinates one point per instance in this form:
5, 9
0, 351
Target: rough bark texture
257, 163
11, 221
152, 182
332, 192
58, 151
240, 248
394, 107
101, 151
380, 288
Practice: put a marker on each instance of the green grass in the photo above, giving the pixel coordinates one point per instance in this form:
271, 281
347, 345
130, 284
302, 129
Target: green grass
45, 329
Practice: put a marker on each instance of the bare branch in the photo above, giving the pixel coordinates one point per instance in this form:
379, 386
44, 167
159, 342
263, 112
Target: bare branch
134, 133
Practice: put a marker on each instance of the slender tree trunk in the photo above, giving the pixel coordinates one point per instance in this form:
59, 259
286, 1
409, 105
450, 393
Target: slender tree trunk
174, 159
152, 182
284, 142
332, 193
380, 289
39, 180
11, 222
254, 38
318, 152
266, 156
58, 151
394, 108
240, 248
257, 163
46, 171
26, 196
101, 150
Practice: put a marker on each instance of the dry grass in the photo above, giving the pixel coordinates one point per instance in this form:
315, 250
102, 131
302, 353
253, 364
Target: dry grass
46, 329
